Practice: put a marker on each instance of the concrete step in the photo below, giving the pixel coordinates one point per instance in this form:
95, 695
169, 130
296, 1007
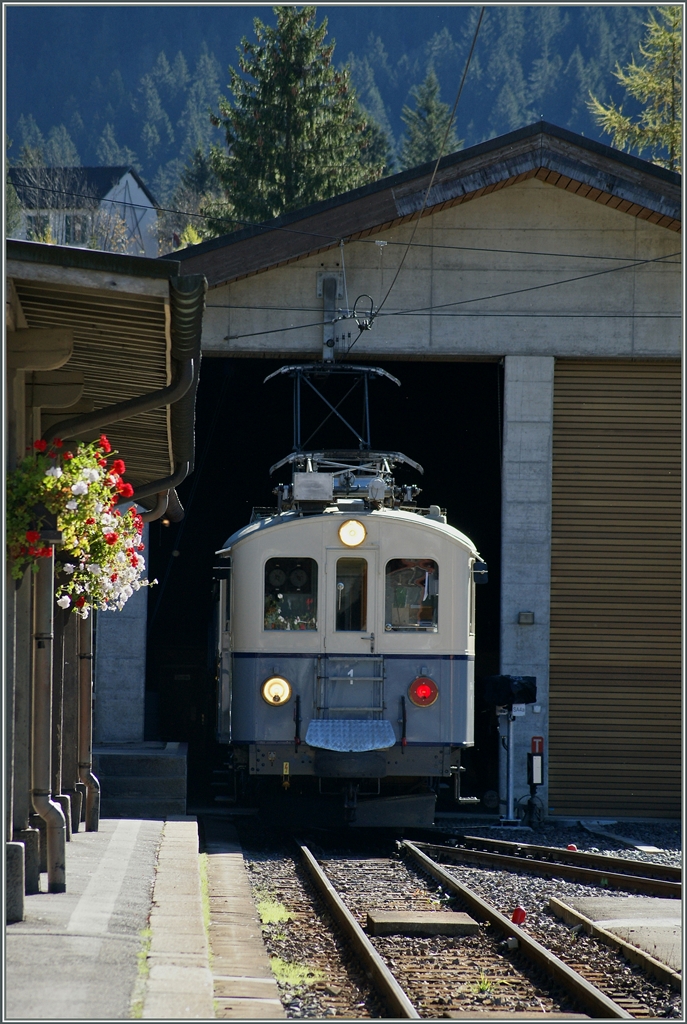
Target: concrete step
141, 780
140, 807
125, 786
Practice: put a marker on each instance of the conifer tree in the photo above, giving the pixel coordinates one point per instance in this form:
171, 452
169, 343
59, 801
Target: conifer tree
293, 127
426, 125
657, 84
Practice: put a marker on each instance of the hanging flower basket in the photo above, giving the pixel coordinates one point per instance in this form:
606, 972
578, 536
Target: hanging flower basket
100, 564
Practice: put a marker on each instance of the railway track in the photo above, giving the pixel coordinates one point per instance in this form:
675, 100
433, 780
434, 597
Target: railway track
434, 986
553, 862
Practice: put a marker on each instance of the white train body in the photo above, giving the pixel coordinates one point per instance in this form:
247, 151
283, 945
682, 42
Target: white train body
366, 623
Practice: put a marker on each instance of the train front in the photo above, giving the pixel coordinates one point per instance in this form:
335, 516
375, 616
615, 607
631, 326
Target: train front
346, 632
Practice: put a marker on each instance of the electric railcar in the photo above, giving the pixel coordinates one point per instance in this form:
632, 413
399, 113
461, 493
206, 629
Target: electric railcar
346, 638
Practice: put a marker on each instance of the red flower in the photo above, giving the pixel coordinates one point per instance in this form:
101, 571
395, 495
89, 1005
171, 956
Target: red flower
40, 445
89, 522
141, 547
134, 560
118, 466
105, 444
44, 552
80, 601
33, 536
102, 462
126, 490
67, 456
113, 577
57, 442
111, 538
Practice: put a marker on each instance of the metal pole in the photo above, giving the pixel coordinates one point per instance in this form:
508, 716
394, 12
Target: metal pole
41, 768
86, 724
510, 769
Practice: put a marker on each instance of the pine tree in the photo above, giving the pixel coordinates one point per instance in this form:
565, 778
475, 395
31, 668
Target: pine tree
294, 130
426, 125
657, 84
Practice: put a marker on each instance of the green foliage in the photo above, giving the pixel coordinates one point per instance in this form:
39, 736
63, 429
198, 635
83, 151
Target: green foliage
657, 84
426, 126
294, 130
80, 490
12, 204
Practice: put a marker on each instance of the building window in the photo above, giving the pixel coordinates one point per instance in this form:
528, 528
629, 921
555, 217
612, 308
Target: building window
37, 225
351, 595
290, 593
75, 229
412, 594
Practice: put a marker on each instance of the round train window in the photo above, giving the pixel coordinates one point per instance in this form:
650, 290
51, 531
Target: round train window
352, 533
423, 691
277, 577
276, 690
299, 578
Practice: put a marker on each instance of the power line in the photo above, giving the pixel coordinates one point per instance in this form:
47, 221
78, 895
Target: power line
434, 173
430, 310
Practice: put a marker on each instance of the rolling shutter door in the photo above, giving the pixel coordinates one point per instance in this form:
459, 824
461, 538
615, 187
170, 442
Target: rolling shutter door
615, 684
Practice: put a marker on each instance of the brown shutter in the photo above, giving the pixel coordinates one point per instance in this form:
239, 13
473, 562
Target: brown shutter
615, 685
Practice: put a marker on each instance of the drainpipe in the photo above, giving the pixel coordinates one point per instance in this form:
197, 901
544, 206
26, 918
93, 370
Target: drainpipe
86, 725
41, 766
91, 421
159, 510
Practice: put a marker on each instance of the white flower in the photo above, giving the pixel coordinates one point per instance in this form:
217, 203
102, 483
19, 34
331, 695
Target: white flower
64, 601
128, 591
72, 504
95, 569
91, 475
69, 568
54, 471
99, 507
80, 487
120, 557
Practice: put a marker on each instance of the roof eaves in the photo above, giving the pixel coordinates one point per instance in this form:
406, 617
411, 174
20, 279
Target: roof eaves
514, 139
91, 259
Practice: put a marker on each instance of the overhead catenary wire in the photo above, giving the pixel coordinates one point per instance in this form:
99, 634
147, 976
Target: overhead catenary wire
434, 172
430, 310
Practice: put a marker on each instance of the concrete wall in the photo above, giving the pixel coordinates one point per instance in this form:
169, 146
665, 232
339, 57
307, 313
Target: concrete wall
120, 670
610, 314
526, 546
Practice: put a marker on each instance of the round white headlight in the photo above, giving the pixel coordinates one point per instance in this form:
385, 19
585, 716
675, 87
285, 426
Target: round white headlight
352, 533
276, 690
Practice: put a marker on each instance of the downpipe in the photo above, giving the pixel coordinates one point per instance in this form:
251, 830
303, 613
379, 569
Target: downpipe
86, 724
41, 762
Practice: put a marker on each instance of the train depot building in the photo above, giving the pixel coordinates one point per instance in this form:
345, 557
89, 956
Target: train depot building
550, 264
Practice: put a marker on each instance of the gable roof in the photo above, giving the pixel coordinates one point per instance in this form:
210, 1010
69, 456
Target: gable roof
38, 187
542, 150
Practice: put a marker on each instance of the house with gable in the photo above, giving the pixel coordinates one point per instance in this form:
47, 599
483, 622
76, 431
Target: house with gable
107, 208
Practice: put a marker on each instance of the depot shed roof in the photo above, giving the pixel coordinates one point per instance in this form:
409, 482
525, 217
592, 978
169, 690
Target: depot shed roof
135, 321
554, 155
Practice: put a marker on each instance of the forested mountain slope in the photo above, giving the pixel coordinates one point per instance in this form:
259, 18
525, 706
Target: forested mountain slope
134, 84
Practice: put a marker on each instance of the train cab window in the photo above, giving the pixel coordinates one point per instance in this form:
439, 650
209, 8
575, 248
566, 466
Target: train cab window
290, 593
412, 595
351, 595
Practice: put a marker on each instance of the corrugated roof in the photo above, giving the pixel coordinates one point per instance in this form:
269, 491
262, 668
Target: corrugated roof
124, 323
542, 150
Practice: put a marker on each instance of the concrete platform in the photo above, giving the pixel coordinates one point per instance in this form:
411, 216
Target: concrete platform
420, 922
653, 925
244, 985
126, 939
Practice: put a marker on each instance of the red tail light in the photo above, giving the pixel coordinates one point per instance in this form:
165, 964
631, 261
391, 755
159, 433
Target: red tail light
423, 691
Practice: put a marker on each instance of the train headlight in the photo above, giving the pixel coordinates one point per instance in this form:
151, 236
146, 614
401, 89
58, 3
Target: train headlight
423, 691
276, 690
352, 533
